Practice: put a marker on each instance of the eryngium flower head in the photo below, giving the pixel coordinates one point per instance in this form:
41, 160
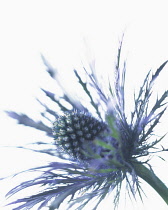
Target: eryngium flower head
85, 138
73, 131
102, 149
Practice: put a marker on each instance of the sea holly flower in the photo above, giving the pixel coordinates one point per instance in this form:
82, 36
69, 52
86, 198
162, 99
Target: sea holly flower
97, 151
86, 139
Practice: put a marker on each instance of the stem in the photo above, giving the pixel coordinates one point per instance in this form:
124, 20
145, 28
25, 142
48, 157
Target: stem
149, 176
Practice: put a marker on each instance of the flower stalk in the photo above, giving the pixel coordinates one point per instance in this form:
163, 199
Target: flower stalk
150, 177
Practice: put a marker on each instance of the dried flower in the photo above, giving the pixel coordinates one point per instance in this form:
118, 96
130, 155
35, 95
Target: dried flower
102, 149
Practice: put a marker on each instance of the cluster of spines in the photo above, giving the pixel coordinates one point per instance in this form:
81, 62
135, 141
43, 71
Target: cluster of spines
74, 130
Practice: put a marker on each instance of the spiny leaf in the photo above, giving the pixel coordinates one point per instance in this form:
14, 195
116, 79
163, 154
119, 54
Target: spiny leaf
84, 85
158, 71
27, 121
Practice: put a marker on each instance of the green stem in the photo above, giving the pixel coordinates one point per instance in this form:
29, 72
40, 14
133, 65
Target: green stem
149, 176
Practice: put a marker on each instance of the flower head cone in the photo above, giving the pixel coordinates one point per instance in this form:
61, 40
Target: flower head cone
98, 150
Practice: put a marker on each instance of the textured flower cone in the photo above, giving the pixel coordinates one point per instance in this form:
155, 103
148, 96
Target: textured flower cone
85, 138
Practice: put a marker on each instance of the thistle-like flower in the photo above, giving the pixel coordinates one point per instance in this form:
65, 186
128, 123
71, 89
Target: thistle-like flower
102, 148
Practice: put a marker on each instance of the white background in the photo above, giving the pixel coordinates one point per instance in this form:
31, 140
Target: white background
58, 30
